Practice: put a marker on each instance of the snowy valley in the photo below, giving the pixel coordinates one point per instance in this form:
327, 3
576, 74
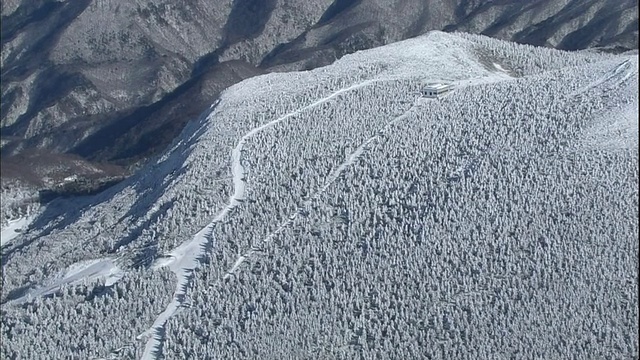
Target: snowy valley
338, 213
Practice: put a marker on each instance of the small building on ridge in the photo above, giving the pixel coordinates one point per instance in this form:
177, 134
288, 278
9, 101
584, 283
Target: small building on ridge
436, 89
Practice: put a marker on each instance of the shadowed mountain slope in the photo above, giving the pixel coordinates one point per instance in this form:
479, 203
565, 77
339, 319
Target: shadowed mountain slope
115, 81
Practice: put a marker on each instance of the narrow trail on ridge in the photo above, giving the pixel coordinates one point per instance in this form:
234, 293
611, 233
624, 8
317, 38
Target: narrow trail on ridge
184, 258
621, 73
333, 176
355, 155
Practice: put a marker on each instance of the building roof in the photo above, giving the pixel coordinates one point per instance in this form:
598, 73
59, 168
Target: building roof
437, 86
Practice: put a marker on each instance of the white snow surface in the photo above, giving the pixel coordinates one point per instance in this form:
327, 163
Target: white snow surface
616, 130
433, 58
83, 271
500, 68
183, 259
14, 229
436, 86
355, 155
621, 73
424, 59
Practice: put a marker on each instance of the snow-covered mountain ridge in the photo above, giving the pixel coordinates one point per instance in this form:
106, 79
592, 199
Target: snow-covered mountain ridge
336, 212
115, 81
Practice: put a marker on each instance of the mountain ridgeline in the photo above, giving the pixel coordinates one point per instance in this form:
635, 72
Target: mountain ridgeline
115, 81
337, 213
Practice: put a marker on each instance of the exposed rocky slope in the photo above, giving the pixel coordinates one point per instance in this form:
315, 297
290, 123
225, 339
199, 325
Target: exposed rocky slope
115, 81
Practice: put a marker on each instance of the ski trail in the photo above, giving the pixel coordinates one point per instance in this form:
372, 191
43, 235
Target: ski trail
328, 182
14, 229
342, 167
184, 259
84, 271
615, 72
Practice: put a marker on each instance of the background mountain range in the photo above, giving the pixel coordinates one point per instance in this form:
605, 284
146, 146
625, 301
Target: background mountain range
94, 88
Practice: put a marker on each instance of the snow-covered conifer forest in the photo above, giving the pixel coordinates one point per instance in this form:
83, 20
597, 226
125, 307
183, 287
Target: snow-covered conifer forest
338, 214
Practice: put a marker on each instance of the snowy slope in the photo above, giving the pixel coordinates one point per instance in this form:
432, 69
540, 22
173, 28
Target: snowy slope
302, 180
13, 229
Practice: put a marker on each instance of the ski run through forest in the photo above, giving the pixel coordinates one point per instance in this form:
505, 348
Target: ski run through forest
338, 213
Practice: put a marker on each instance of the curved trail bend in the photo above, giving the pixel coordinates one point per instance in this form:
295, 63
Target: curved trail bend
335, 174
183, 259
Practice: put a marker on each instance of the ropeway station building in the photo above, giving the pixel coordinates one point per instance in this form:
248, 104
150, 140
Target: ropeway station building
436, 89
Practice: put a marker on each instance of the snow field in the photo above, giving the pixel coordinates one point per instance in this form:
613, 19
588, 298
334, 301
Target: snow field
14, 228
336, 194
